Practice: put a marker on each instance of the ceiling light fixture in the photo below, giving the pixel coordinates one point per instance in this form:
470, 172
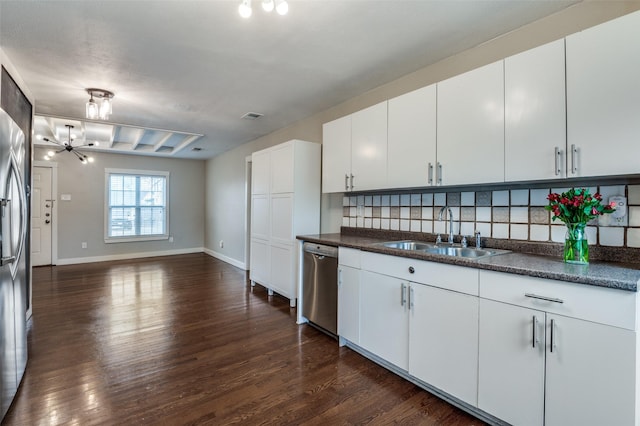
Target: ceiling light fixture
281, 6
68, 146
104, 110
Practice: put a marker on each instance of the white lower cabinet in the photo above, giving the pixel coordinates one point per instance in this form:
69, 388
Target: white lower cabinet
511, 367
443, 340
384, 319
590, 374
349, 303
540, 366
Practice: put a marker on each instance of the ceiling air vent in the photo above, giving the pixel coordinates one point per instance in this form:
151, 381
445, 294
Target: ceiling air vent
252, 116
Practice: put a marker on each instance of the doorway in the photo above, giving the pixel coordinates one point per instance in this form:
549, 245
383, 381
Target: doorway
247, 217
43, 214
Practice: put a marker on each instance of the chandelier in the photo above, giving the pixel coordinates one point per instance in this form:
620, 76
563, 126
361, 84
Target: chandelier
281, 6
102, 111
69, 147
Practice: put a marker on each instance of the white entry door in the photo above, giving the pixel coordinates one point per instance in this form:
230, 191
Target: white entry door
41, 216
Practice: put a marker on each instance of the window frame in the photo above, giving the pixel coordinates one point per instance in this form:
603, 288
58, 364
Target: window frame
107, 195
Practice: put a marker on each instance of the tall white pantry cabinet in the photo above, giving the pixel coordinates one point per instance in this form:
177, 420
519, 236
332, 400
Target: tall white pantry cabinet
285, 202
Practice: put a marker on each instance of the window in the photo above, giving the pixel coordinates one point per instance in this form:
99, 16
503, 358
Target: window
136, 205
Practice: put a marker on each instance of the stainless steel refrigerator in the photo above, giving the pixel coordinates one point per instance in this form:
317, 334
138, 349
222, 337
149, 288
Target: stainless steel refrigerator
14, 231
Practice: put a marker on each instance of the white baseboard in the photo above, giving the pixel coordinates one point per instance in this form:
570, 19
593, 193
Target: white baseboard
229, 260
76, 260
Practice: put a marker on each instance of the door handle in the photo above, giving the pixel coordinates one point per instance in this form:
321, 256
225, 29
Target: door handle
7, 260
47, 221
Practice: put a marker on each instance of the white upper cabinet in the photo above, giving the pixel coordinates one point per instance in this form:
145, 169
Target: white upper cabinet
282, 169
535, 118
411, 155
336, 155
260, 173
603, 98
471, 127
369, 148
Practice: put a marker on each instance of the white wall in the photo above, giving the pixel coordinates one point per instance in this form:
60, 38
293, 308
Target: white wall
225, 173
82, 218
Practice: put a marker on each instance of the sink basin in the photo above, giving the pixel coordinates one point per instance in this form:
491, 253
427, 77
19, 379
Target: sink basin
444, 249
408, 245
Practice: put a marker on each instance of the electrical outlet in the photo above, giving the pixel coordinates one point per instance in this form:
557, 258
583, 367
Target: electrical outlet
221, 244
171, 239
84, 245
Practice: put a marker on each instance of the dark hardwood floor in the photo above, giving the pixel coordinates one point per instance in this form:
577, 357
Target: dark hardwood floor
185, 340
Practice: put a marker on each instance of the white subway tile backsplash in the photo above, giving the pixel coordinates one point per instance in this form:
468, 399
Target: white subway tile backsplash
634, 216
427, 213
558, 233
467, 198
467, 228
634, 195
539, 197
483, 214
500, 230
519, 232
520, 197
484, 228
516, 214
519, 215
500, 198
613, 237
633, 237
539, 232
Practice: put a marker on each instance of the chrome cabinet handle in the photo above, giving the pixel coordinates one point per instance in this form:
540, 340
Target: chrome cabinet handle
545, 298
430, 171
439, 173
558, 156
574, 165
352, 181
346, 182
339, 277
403, 299
552, 340
534, 340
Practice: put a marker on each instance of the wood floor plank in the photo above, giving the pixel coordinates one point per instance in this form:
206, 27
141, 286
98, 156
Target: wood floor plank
185, 340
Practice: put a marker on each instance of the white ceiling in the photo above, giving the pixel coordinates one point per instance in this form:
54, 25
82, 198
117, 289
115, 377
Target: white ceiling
197, 66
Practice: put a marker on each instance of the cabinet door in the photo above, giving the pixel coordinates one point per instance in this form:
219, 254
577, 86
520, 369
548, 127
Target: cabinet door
282, 168
590, 373
369, 148
336, 155
260, 217
603, 105
384, 325
349, 303
535, 119
260, 172
411, 155
510, 369
282, 218
471, 126
281, 264
443, 345
260, 262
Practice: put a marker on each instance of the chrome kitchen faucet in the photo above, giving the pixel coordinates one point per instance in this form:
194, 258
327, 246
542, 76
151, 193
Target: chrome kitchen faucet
448, 209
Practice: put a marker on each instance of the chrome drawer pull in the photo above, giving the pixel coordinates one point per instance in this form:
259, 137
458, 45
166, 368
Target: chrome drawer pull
548, 299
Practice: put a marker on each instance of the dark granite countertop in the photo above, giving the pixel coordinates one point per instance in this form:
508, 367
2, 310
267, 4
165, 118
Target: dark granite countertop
623, 276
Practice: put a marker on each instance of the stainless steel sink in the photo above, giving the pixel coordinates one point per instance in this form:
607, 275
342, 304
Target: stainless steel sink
444, 249
408, 245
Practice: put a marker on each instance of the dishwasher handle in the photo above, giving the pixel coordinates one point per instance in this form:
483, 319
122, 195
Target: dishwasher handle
320, 250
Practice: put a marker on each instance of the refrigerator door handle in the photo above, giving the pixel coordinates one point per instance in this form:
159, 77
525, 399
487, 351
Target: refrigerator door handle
7, 260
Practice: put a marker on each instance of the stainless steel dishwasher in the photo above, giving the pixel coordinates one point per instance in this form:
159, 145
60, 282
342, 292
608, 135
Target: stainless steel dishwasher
320, 286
